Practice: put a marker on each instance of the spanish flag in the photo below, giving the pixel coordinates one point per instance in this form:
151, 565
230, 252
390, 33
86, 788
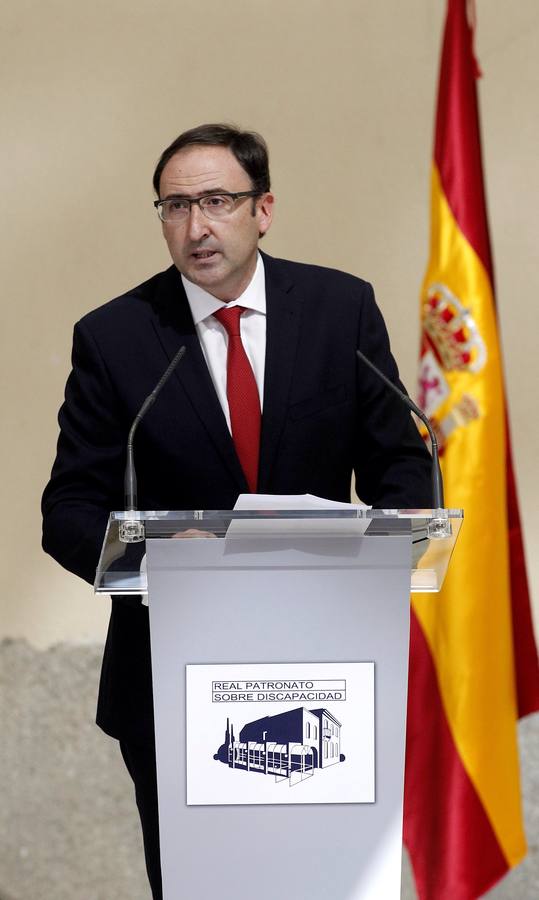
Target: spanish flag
473, 666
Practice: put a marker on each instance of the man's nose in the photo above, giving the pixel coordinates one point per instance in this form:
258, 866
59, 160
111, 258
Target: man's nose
198, 224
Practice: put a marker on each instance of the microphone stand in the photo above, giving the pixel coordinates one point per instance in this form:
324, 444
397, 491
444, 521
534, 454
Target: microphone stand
132, 529
439, 526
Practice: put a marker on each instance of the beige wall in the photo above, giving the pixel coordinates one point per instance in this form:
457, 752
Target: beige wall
344, 93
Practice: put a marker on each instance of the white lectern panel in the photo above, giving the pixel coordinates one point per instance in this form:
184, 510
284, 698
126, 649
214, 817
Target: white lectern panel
290, 608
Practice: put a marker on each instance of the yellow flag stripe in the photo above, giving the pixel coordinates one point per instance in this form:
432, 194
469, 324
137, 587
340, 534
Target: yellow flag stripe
468, 625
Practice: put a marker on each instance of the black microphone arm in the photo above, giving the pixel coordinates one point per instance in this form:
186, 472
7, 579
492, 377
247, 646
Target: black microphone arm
131, 529
440, 524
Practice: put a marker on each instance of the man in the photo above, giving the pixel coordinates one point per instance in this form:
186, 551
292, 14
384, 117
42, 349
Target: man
313, 414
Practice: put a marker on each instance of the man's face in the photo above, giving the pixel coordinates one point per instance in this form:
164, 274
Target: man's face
219, 256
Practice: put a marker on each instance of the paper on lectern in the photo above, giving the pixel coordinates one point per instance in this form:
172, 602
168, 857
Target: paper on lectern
295, 502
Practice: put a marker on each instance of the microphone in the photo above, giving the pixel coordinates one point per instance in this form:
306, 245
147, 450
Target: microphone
132, 530
439, 526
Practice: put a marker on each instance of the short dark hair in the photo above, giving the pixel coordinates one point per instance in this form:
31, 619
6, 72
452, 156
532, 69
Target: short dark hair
248, 147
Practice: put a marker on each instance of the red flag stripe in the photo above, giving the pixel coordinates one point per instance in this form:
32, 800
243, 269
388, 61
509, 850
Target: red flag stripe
451, 862
457, 141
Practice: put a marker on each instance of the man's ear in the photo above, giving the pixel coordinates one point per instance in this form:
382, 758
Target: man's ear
264, 212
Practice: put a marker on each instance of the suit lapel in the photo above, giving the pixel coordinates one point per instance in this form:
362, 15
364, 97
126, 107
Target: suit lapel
283, 321
174, 326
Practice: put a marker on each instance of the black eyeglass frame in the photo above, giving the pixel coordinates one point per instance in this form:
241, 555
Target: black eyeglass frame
235, 195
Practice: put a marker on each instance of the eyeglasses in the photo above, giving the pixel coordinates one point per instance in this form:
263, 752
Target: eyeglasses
214, 206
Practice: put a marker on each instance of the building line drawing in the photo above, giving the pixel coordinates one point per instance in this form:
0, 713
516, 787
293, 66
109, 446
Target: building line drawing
290, 746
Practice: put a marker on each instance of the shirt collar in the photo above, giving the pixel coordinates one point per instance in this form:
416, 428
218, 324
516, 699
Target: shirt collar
203, 304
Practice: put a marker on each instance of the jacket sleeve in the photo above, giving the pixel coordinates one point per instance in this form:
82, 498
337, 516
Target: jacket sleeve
393, 465
87, 476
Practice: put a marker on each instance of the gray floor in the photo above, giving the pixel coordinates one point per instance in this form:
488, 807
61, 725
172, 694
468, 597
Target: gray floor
68, 823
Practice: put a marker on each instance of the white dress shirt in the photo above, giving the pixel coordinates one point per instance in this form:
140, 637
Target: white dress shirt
214, 339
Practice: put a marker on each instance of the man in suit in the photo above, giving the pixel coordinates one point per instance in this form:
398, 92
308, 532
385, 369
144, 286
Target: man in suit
321, 415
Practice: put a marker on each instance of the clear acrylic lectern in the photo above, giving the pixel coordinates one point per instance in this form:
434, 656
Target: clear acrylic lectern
280, 663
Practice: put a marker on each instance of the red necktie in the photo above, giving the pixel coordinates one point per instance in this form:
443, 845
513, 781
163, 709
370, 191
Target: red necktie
242, 394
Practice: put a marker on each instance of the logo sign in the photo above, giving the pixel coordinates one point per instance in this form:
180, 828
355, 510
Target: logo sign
280, 733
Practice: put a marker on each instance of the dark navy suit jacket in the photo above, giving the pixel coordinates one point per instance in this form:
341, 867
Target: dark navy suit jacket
324, 416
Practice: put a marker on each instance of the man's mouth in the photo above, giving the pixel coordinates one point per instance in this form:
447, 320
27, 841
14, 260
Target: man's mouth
203, 254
